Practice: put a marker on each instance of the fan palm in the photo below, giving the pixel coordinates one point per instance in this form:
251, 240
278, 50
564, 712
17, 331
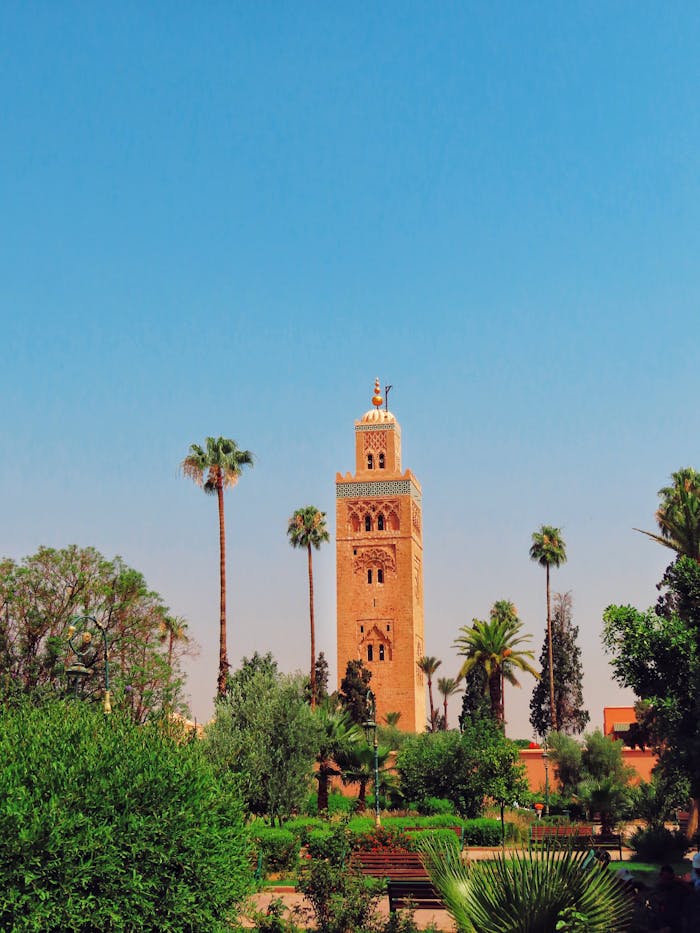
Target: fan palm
494, 645
428, 666
549, 550
216, 467
527, 893
338, 733
448, 687
678, 515
307, 529
357, 766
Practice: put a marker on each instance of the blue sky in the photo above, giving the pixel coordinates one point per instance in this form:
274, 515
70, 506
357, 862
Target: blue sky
229, 218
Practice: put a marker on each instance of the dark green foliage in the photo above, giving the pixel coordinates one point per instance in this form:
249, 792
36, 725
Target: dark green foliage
431, 806
106, 826
463, 768
321, 681
353, 691
333, 843
568, 673
657, 844
484, 832
279, 848
337, 803
342, 900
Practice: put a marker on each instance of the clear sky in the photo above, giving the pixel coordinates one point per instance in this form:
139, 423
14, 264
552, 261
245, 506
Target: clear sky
228, 218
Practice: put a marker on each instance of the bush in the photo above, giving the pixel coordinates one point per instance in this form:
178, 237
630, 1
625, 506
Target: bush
657, 844
431, 806
105, 825
484, 832
382, 839
279, 848
342, 900
302, 826
337, 803
332, 844
446, 838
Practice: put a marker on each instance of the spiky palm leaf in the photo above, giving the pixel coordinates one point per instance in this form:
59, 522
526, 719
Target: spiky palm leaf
678, 516
522, 892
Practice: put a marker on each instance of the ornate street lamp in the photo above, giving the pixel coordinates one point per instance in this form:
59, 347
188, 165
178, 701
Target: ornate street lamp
370, 728
86, 656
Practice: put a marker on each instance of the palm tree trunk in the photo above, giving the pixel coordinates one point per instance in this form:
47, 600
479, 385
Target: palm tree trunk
313, 630
223, 657
432, 707
693, 820
550, 655
496, 696
444, 714
323, 781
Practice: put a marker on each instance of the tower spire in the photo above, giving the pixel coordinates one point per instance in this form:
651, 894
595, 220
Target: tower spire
377, 397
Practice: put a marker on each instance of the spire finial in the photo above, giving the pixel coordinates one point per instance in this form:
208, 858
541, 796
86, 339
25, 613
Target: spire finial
377, 398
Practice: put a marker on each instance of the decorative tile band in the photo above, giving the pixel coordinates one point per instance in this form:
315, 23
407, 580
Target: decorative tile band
399, 487
388, 426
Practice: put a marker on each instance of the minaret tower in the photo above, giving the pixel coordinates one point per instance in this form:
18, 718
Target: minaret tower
379, 559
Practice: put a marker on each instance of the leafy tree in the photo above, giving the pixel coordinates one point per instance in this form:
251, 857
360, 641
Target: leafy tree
108, 826
678, 515
549, 550
353, 691
447, 687
566, 754
216, 467
474, 701
495, 646
267, 736
462, 767
42, 596
321, 689
601, 757
568, 693
307, 529
428, 666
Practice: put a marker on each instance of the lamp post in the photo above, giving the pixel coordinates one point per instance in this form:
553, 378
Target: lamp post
370, 728
86, 656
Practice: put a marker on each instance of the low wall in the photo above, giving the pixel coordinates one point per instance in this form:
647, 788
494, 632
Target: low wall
641, 760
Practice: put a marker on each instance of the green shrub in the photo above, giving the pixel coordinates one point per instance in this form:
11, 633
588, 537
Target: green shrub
105, 825
333, 844
431, 806
657, 844
279, 848
301, 826
446, 838
337, 803
342, 900
483, 832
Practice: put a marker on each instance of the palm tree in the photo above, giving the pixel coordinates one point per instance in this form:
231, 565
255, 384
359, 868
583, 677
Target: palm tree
549, 550
428, 666
448, 687
392, 719
495, 646
338, 733
307, 529
357, 766
678, 515
172, 629
216, 467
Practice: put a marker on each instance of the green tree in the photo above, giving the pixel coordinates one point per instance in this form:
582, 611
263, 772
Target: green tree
105, 825
494, 645
566, 754
428, 666
307, 529
462, 767
42, 595
321, 686
448, 687
678, 515
474, 701
216, 467
549, 550
353, 691
568, 673
265, 734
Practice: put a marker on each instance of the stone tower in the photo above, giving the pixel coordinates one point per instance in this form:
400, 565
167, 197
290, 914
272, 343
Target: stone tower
379, 560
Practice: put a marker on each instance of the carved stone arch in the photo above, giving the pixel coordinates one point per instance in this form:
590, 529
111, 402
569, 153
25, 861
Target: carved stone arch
376, 637
374, 557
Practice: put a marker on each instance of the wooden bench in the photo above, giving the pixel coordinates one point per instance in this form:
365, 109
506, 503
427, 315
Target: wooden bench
576, 835
413, 892
399, 865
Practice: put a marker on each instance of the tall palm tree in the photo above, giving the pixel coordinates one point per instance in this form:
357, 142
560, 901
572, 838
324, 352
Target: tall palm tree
494, 645
428, 665
448, 687
549, 550
215, 467
678, 515
172, 629
307, 529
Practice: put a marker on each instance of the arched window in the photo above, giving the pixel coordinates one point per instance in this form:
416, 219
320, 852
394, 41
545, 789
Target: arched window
381, 461
368, 522
380, 522
380, 575
370, 653
369, 576
381, 652
370, 461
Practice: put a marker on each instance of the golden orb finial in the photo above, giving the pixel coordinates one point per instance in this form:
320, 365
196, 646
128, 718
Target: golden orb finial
377, 397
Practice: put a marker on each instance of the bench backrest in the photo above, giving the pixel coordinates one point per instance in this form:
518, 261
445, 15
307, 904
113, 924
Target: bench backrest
561, 831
